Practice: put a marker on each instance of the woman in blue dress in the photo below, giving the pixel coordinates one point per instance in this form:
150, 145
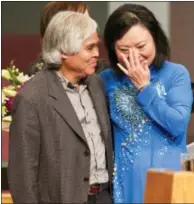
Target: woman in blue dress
149, 98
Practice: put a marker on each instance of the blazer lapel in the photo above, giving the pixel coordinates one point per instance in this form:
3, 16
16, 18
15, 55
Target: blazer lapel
62, 104
99, 102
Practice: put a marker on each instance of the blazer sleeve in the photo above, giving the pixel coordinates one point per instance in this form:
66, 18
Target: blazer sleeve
24, 148
172, 113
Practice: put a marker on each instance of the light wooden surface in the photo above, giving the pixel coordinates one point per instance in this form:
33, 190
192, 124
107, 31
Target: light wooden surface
169, 187
6, 198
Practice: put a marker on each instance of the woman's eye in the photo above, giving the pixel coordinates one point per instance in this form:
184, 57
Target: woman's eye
125, 51
140, 46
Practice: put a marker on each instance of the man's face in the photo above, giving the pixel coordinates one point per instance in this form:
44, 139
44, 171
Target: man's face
84, 63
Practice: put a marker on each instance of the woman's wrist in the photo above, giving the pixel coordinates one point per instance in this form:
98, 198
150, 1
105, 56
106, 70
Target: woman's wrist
143, 86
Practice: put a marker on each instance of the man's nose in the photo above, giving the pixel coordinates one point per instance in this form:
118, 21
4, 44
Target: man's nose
96, 52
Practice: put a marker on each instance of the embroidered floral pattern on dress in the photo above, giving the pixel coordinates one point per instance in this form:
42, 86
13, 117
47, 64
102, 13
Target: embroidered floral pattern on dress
135, 128
125, 99
118, 184
160, 89
135, 124
162, 93
133, 121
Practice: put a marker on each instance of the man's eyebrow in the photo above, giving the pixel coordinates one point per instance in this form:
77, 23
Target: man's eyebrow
93, 43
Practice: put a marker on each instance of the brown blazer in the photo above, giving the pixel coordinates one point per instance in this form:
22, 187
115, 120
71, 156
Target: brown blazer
47, 152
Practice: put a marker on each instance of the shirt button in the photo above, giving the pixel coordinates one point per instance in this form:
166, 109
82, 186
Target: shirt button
86, 179
86, 153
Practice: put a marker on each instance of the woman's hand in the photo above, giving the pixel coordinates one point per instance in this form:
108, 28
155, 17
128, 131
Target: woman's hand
137, 72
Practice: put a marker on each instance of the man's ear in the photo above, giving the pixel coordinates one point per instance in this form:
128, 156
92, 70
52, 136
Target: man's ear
63, 55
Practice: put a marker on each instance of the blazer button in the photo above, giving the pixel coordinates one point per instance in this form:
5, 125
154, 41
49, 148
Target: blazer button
86, 153
86, 179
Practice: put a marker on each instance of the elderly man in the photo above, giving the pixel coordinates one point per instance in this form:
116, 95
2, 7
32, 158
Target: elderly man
60, 137
49, 10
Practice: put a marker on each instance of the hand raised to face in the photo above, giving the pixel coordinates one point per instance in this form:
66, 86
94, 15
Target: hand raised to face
138, 72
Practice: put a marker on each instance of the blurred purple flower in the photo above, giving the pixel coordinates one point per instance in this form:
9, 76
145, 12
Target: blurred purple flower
9, 103
21, 87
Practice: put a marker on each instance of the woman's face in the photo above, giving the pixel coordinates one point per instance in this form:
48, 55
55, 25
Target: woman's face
137, 37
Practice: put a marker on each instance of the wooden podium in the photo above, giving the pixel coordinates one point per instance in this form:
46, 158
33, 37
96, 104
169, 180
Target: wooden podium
169, 187
6, 197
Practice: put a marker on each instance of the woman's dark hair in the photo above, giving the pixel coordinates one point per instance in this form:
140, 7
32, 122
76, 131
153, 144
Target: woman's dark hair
126, 16
52, 8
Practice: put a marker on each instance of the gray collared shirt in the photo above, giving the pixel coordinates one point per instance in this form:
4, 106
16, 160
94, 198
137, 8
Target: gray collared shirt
83, 106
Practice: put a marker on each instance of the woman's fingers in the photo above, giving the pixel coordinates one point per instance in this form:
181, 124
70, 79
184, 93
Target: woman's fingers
125, 71
145, 65
125, 60
131, 59
138, 72
136, 58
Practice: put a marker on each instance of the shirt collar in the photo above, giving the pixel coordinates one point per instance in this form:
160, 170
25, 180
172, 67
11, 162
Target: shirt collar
67, 84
